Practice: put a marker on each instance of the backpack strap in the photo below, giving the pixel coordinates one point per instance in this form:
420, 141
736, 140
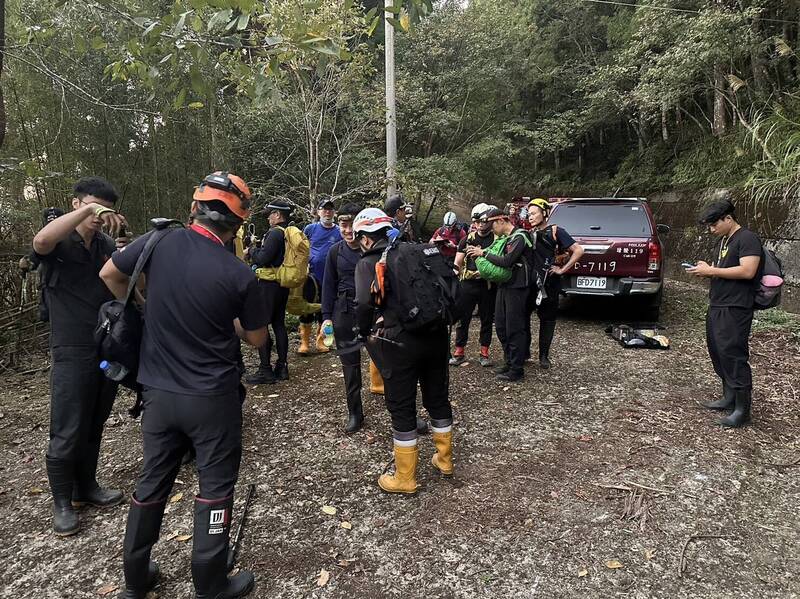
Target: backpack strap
155, 237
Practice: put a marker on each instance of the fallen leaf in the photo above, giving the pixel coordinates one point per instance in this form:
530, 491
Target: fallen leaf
614, 564
323, 577
273, 396
649, 553
346, 525
183, 538
329, 509
176, 498
35, 491
554, 494
582, 572
370, 438
107, 589
506, 388
585, 438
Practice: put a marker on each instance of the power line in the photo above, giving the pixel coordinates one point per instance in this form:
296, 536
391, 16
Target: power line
670, 9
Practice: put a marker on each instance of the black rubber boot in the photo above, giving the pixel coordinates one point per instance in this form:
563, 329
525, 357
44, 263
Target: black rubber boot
502, 369
547, 329
741, 410
264, 375
281, 371
510, 376
726, 402
212, 519
61, 474
141, 533
86, 490
355, 415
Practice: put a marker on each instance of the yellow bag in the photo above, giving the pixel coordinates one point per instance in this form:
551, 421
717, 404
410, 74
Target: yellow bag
294, 270
298, 305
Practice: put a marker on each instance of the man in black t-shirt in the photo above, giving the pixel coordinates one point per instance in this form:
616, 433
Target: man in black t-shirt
730, 312
474, 291
200, 300
72, 248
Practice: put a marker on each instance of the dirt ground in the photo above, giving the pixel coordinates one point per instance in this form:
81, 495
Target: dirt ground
595, 479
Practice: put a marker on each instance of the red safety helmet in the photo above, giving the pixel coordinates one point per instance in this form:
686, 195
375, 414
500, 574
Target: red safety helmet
228, 189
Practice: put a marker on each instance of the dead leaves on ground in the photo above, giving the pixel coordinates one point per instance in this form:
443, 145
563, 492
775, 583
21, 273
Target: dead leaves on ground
323, 577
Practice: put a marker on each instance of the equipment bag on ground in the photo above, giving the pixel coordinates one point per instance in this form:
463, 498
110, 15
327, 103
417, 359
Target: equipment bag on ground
423, 283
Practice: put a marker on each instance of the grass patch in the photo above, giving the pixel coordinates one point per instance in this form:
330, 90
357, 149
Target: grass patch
776, 319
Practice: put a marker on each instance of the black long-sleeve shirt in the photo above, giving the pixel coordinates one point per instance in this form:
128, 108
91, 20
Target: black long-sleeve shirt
340, 276
516, 258
272, 250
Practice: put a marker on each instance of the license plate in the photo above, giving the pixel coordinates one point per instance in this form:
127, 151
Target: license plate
592, 282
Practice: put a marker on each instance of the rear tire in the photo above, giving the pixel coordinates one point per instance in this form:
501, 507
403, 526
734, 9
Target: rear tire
651, 306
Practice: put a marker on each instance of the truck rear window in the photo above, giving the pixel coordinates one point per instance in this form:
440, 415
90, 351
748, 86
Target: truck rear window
602, 220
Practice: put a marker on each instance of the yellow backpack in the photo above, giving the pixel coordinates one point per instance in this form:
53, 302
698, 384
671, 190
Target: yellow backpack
294, 270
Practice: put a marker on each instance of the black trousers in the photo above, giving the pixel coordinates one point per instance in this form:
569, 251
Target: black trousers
344, 322
727, 337
509, 317
312, 292
546, 311
171, 424
476, 293
275, 298
419, 359
81, 398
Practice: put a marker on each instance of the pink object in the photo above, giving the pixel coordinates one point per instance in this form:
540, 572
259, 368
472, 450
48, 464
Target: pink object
771, 281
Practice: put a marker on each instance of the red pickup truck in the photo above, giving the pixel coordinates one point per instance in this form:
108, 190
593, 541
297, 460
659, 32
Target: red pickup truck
623, 253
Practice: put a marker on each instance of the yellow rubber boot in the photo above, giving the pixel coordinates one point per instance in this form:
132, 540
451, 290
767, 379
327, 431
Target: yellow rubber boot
305, 340
404, 479
443, 458
375, 379
321, 347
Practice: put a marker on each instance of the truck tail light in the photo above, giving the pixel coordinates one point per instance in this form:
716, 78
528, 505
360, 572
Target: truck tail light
654, 256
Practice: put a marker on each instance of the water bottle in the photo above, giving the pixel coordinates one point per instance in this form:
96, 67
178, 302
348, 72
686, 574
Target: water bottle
113, 370
327, 331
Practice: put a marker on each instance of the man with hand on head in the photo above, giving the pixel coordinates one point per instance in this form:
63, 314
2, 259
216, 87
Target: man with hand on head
73, 249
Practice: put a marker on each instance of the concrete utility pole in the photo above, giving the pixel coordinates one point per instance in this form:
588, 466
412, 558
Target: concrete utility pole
391, 111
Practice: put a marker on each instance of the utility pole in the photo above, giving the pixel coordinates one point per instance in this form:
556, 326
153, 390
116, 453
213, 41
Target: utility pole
391, 111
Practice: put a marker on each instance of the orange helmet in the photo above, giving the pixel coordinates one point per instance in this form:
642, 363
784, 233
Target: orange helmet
228, 189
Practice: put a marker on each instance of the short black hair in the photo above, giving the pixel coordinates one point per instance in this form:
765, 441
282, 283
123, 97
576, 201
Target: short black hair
375, 235
717, 210
349, 209
230, 223
97, 187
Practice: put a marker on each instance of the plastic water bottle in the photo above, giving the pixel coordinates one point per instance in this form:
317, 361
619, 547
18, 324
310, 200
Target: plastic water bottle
327, 331
113, 370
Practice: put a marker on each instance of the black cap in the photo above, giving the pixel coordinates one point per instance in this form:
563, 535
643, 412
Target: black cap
393, 204
716, 211
325, 201
494, 214
281, 205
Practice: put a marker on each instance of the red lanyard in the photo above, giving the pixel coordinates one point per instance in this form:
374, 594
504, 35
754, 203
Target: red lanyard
205, 233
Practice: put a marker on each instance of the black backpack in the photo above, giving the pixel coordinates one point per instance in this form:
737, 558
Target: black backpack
120, 322
768, 296
423, 285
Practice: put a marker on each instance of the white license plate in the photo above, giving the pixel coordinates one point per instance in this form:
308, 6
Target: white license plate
592, 282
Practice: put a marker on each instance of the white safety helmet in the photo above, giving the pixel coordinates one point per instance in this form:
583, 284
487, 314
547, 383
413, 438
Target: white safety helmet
478, 209
449, 219
370, 220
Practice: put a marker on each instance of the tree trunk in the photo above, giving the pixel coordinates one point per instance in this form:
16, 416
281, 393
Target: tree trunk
664, 130
2, 53
720, 122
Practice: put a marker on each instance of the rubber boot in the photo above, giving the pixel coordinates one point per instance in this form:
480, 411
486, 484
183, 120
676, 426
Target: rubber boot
264, 375
86, 490
61, 474
458, 356
511, 376
443, 458
305, 340
547, 329
321, 347
504, 368
281, 371
405, 469
726, 402
210, 543
141, 533
375, 379
484, 359
355, 413
741, 410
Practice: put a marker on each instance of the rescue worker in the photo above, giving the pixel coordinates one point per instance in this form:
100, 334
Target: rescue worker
270, 255
448, 236
730, 310
405, 359
322, 235
474, 290
397, 208
512, 296
338, 309
73, 249
200, 300
555, 252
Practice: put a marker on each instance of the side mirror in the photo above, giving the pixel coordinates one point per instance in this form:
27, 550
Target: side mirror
662, 229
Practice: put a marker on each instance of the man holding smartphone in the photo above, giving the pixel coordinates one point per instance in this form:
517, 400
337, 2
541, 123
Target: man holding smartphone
730, 311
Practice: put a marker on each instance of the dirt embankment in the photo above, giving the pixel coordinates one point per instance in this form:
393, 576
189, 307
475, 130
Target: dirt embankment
595, 479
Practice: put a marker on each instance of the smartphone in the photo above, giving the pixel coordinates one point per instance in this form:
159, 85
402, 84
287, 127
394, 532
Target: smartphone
688, 265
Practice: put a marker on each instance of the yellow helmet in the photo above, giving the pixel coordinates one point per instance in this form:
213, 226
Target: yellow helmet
540, 203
